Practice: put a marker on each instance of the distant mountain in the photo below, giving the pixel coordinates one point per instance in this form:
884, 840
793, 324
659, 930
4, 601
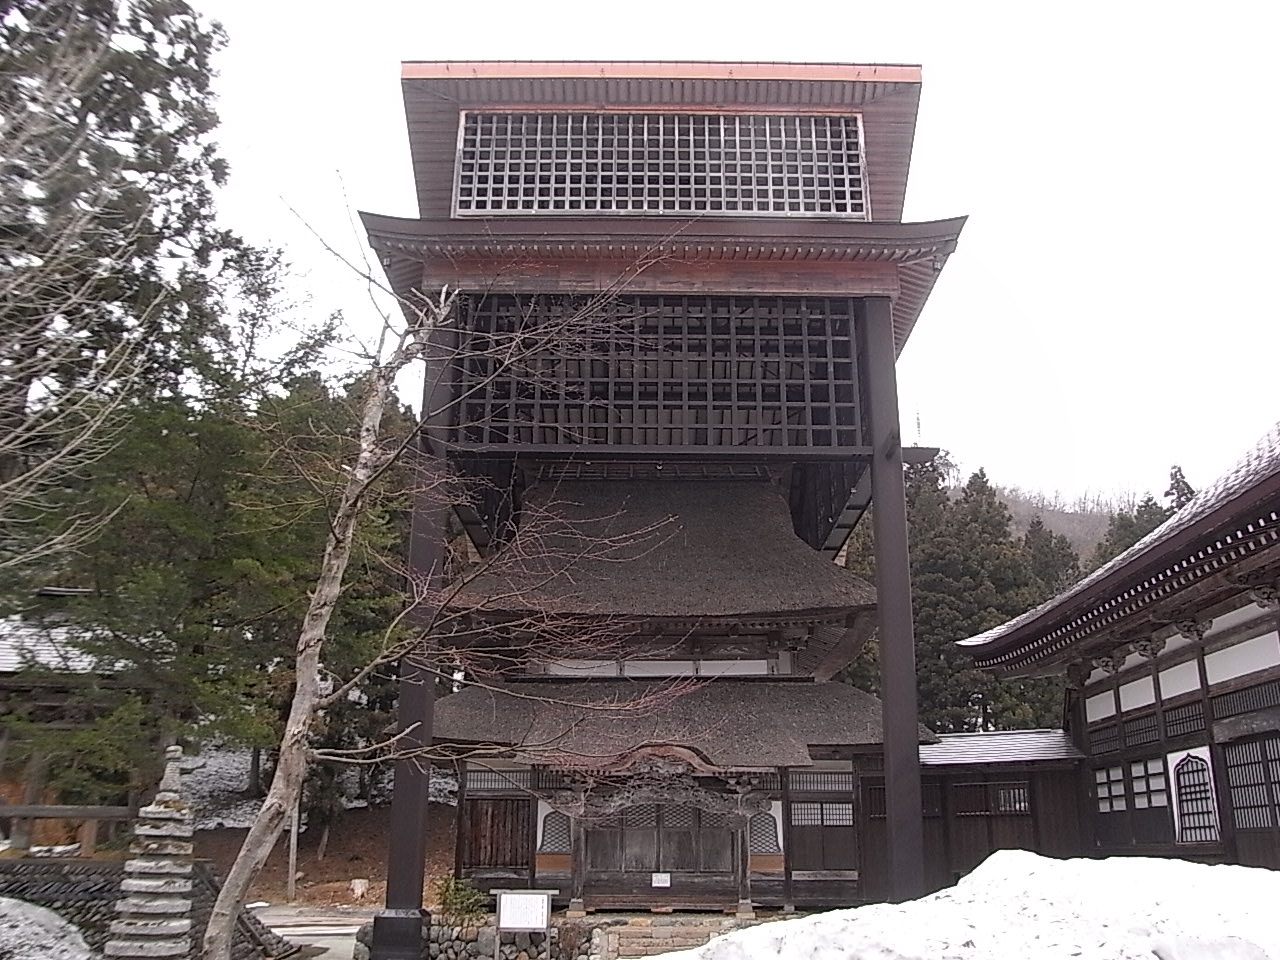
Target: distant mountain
1083, 522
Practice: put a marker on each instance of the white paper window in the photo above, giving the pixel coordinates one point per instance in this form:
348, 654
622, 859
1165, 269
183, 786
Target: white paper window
1109, 788
642, 164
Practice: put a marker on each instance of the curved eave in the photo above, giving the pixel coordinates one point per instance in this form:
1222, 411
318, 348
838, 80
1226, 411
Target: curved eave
1146, 575
915, 252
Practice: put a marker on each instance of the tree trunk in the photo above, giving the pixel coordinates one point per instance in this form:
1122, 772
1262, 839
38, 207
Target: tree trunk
291, 766
255, 772
324, 842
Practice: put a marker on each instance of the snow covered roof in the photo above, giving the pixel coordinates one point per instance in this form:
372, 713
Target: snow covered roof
999, 746
1248, 489
25, 644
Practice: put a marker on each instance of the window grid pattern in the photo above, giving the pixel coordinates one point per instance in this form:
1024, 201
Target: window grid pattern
822, 814
1197, 822
1104, 739
930, 800
645, 164
762, 834
810, 782
1150, 787
1180, 721
1141, 730
498, 781
1253, 777
1109, 789
981, 799
556, 835
661, 370
1258, 697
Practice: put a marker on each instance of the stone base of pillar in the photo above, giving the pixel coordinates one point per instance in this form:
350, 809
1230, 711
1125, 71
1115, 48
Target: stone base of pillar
746, 910
577, 910
398, 935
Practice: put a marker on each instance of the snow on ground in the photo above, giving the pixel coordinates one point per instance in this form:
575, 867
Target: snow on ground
214, 783
1020, 906
28, 932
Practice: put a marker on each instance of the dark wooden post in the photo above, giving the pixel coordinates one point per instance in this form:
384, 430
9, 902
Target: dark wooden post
578, 862
893, 585
397, 930
743, 833
788, 897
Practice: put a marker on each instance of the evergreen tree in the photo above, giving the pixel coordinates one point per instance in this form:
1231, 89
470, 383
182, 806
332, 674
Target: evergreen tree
1179, 493
968, 575
1127, 527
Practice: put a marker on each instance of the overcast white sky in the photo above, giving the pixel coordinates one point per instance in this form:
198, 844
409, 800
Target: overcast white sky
1110, 310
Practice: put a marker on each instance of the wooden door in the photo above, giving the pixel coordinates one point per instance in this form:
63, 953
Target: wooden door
498, 833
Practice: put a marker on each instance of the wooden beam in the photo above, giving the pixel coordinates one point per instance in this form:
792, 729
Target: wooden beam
61, 811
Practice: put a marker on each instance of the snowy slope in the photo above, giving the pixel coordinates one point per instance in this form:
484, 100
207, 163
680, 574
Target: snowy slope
1019, 906
28, 932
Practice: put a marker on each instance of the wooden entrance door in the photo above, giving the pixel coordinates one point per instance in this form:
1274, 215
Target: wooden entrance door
698, 848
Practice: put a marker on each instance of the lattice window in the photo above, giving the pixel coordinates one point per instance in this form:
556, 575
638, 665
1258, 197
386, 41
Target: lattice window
679, 818
498, 781
1150, 788
714, 820
1141, 730
1193, 782
1258, 697
642, 164
1109, 789
1011, 799
640, 818
556, 834
1180, 721
1253, 777
822, 814
723, 372
762, 833
814, 782
1104, 739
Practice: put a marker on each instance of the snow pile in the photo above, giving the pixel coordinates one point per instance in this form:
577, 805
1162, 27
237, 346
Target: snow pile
1018, 905
215, 781
28, 932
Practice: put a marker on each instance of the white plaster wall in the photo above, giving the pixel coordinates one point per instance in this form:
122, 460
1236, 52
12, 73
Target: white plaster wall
1178, 679
1242, 658
1137, 693
1099, 706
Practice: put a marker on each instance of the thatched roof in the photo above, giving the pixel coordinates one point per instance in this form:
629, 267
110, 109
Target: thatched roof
728, 724
662, 548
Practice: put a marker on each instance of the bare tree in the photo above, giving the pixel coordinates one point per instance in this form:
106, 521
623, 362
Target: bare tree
439, 621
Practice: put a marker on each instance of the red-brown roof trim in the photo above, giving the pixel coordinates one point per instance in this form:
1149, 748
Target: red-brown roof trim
666, 70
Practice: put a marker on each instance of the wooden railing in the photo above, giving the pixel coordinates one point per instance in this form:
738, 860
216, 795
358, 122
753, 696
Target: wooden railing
89, 817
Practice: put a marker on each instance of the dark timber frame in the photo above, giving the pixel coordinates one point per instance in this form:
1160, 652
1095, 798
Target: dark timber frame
743, 346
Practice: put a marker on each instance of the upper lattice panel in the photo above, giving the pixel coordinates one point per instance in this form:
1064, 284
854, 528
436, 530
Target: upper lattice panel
655, 164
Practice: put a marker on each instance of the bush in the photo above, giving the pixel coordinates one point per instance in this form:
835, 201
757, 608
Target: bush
461, 904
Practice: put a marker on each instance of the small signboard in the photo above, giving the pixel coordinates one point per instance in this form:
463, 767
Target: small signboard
524, 910
660, 880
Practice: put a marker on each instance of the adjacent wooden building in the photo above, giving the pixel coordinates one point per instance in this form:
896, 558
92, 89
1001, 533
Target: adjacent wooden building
1172, 652
668, 389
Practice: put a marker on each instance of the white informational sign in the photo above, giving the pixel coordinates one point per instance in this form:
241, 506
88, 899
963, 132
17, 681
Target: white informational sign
524, 909
660, 880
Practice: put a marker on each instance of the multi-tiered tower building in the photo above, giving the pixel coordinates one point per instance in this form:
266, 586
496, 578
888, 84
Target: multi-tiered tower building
668, 388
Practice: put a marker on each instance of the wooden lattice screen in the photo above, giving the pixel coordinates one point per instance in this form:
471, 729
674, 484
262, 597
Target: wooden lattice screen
727, 373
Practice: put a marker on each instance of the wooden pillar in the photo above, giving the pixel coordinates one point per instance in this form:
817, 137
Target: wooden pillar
788, 896
578, 862
893, 587
33, 780
743, 833
397, 930
461, 823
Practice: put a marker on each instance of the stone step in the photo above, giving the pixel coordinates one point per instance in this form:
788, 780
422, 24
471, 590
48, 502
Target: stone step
153, 905
132, 929
148, 948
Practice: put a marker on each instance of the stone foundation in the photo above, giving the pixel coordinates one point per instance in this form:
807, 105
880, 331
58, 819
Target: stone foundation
593, 938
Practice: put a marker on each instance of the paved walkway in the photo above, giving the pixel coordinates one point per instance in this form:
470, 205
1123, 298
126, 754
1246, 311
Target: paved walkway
332, 930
